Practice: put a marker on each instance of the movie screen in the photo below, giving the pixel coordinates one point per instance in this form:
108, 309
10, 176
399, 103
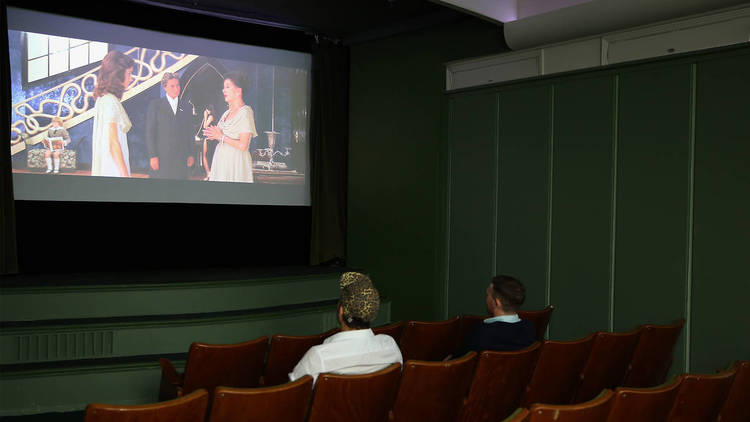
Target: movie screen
103, 112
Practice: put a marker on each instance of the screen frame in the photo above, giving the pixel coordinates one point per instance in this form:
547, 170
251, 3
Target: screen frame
188, 23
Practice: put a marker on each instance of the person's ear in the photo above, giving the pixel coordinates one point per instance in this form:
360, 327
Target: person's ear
498, 303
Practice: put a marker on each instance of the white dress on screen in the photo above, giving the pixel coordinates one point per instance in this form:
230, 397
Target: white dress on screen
108, 109
229, 163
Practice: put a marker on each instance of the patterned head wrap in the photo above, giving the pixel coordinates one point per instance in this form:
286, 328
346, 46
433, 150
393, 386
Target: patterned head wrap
359, 298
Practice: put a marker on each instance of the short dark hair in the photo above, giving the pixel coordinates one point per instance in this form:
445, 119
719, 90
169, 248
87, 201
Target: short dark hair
510, 291
239, 80
168, 76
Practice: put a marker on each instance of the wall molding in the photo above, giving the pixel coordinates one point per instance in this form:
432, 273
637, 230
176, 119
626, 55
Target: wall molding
698, 32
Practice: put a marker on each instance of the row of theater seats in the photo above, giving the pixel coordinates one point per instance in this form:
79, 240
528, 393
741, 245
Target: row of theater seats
689, 397
485, 387
437, 391
256, 363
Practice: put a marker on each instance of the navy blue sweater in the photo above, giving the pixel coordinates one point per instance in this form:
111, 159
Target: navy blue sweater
498, 335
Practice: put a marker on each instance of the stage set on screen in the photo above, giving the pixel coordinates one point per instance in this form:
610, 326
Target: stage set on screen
55, 78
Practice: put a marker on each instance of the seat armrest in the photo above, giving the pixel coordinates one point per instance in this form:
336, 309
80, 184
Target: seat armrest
170, 386
169, 372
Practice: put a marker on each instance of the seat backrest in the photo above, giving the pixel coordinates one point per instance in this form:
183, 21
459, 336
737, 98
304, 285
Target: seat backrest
346, 398
737, 407
430, 341
284, 353
231, 365
498, 384
189, 408
648, 404
591, 411
282, 403
607, 363
539, 318
653, 355
394, 330
520, 415
701, 397
433, 391
467, 323
558, 371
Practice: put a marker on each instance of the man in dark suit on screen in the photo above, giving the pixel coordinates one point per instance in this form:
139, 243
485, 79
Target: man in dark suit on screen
169, 132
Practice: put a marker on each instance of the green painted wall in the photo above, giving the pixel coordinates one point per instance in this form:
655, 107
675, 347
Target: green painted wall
63, 347
523, 194
622, 199
582, 204
471, 258
720, 325
396, 160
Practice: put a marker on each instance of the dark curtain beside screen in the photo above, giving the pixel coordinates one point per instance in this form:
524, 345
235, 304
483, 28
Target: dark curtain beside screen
329, 128
8, 255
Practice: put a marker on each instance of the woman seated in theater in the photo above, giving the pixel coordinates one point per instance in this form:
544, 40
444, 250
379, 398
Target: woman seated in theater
356, 349
236, 127
503, 330
57, 140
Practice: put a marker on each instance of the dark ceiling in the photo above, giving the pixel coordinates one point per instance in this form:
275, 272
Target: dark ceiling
350, 21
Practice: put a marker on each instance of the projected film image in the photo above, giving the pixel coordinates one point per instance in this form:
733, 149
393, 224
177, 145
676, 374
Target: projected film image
83, 107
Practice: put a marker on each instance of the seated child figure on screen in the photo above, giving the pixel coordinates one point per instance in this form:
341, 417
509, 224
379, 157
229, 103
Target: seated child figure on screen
57, 139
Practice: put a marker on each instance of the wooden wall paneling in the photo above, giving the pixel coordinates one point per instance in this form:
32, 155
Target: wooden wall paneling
472, 191
523, 188
582, 193
653, 198
719, 331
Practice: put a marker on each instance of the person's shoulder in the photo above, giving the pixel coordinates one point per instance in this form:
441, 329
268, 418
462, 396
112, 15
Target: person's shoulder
154, 103
246, 110
314, 354
385, 340
527, 324
107, 104
107, 98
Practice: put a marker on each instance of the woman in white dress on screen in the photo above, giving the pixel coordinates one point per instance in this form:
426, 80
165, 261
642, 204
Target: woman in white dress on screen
110, 155
232, 161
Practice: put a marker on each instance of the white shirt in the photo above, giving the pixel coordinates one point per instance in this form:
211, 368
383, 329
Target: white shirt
173, 103
349, 353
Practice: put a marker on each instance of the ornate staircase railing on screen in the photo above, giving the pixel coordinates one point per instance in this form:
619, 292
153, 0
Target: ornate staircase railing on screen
73, 100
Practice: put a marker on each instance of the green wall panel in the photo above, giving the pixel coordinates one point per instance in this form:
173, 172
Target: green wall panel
637, 211
72, 389
582, 193
396, 200
523, 195
25, 391
721, 287
653, 198
101, 301
473, 164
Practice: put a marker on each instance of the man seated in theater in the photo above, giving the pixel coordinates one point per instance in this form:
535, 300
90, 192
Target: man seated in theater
503, 330
355, 349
